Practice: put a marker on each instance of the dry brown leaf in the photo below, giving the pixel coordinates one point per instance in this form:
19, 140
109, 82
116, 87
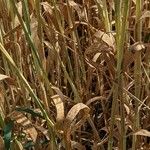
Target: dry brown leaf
127, 109
23, 121
101, 50
60, 110
72, 114
63, 97
2, 77
32, 4
47, 7
142, 132
49, 14
43, 131
76, 7
129, 54
96, 56
94, 53
95, 99
9, 80
58, 91
36, 40
145, 14
97, 47
128, 59
70, 125
138, 46
105, 37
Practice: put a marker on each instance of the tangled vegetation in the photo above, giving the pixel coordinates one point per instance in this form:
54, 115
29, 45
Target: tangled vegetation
75, 74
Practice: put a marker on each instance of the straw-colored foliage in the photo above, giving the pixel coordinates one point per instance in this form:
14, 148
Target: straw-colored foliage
75, 74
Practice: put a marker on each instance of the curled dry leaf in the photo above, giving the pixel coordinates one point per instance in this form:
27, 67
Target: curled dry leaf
107, 38
102, 49
96, 57
47, 7
94, 53
63, 97
69, 124
129, 54
142, 132
24, 122
95, 99
58, 91
98, 53
76, 7
60, 110
145, 14
138, 46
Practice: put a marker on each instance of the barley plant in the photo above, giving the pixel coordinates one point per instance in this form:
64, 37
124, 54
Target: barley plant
74, 74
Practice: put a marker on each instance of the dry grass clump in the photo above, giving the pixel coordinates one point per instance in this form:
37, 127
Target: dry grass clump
75, 74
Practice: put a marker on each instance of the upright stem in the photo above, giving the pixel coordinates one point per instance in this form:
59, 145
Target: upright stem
115, 86
121, 26
137, 69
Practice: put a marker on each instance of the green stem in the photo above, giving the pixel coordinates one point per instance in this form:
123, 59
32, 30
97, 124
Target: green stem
121, 26
137, 70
